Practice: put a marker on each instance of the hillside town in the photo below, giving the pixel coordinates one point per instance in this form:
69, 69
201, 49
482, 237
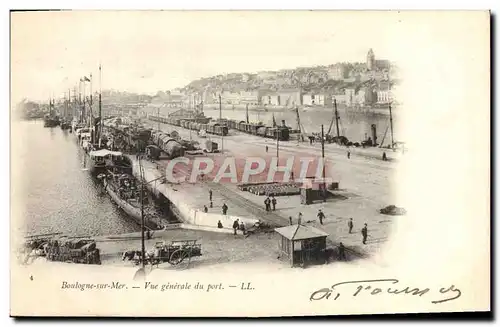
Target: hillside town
352, 84
358, 84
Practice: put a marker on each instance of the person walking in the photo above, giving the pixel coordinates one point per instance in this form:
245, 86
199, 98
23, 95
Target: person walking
350, 224
205, 209
364, 232
342, 252
210, 195
267, 202
300, 218
224, 209
273, 201
211, 204
384, 156
235, 226
267, 149
290, 218
348, 154
321, 216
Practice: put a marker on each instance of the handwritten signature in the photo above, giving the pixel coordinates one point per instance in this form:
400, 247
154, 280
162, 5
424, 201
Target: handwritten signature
381, 286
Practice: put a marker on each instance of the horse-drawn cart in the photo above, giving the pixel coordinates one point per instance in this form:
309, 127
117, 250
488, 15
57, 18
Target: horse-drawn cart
173, 252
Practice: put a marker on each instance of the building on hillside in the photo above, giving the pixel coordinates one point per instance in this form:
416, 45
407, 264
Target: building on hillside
337, 72
229, 97
271, 99
290, 97
340, 98
373, 64
308, 99
383, 64
370, 95
350, 96
250, 97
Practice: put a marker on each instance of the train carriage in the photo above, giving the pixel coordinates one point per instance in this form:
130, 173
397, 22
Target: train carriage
262, 131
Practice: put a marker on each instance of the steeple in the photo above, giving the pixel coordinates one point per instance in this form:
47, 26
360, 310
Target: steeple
370, 59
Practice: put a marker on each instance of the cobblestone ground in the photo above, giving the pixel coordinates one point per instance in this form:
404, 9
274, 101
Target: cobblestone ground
217, 248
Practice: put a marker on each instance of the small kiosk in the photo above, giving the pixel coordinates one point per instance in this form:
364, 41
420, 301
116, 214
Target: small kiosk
302, 245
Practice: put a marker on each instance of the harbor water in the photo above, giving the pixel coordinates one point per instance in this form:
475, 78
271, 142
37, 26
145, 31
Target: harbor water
56, 193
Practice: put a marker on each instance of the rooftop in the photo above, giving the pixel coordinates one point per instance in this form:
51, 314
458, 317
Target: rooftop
300, 232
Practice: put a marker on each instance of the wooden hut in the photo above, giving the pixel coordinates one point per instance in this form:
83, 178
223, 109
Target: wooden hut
302, 245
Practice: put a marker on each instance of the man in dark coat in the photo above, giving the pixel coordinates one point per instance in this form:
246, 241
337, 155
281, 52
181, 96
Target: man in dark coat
290, 218
321, 216
267, 202
235, 226
273, 201
224, 209
364, 232
342, 252
205, 209
210, 195
350, 224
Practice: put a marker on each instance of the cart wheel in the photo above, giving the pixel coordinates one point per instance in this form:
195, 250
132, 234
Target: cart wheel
177, 257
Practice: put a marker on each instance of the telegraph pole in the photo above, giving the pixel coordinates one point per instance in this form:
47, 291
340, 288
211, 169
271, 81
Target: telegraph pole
143, 245
323, 158
336, 120
158, 118
277, 147
392, 132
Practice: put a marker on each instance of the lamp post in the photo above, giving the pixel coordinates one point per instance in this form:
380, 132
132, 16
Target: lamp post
277, 147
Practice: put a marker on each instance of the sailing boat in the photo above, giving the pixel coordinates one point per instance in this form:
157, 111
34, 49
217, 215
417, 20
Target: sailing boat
100, 158
51, 120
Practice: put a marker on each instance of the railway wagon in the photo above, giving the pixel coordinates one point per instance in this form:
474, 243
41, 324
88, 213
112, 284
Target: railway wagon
252, 128
262, 131
217, 128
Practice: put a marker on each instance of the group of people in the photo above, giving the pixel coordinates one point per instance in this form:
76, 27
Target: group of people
364, 230
239, 226
224, 205
268, 201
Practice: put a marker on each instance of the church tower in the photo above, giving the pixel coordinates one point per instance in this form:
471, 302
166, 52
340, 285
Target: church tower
370, 60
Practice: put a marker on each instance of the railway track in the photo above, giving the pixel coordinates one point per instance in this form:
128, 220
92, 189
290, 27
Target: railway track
240, 201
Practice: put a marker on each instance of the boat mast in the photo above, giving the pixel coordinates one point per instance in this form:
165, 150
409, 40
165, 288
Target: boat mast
143, 245
323, 161
248, 120
100, 105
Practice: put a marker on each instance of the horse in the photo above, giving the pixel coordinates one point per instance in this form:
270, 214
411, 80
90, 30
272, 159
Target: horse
130, 255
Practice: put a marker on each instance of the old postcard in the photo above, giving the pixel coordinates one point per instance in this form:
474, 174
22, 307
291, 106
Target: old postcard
249, 163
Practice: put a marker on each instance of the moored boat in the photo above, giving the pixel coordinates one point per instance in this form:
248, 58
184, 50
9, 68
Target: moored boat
123, 190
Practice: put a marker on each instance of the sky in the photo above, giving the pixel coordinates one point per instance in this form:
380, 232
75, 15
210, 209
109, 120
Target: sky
148, 51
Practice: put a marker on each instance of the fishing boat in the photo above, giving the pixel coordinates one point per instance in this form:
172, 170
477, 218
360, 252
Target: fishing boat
50, 119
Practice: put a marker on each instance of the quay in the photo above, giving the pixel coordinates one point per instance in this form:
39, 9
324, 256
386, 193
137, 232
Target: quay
364, 190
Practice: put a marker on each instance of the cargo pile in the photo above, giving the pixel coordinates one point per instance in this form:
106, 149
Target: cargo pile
276, 189
63, 250
74, 251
